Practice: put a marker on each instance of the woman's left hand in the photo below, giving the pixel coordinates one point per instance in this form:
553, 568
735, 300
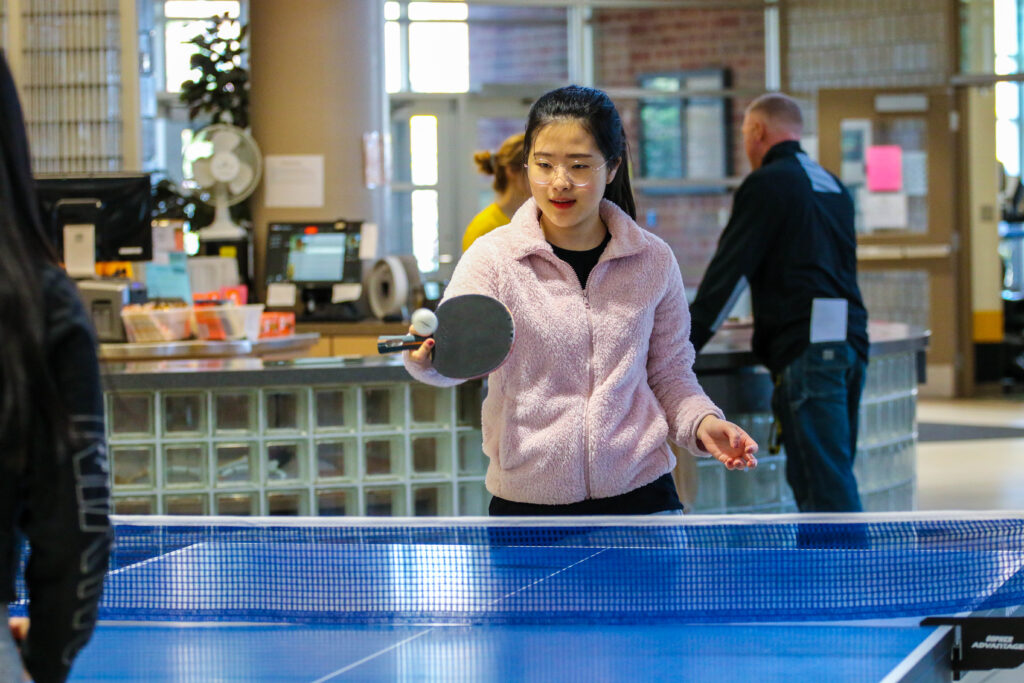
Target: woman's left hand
19, 628
727, 443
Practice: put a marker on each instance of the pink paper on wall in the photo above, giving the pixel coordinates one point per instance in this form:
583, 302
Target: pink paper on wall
884, 168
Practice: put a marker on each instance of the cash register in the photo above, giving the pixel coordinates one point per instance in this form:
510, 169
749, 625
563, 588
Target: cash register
99, 218
314, 268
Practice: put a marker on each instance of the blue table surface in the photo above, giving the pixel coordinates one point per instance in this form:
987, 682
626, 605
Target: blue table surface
420, 578
768, 652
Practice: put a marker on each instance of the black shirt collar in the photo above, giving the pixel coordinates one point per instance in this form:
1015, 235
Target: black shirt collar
786, 148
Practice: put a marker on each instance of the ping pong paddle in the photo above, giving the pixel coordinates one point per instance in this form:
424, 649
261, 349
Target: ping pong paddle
473, 338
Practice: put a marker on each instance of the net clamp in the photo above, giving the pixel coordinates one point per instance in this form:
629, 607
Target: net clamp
983, 643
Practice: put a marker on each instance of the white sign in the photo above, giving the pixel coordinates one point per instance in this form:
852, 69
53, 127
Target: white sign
80, 250
368, 242
884, 210
345, 291
294, 181
281, 295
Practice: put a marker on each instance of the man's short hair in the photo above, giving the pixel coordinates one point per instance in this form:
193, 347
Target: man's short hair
781, 110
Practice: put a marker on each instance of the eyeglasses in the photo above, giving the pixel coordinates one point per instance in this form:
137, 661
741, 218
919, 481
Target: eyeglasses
579, 173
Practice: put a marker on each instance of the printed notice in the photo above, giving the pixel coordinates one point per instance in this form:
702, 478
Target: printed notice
885, 168
345, 291
884, 211
294, 181
281, 295
368, 241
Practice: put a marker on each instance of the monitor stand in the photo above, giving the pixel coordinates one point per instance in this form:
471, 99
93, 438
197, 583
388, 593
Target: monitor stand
315, 305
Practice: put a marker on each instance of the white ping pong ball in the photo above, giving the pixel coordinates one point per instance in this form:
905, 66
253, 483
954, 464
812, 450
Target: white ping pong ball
424, 322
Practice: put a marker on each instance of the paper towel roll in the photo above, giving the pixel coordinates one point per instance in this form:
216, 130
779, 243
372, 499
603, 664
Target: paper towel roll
390, 285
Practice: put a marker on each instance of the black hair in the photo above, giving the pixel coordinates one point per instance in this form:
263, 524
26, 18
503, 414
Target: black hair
594, 110
32, 413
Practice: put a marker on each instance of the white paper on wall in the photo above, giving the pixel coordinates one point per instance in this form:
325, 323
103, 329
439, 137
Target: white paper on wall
884, 210
294, 180
915, 174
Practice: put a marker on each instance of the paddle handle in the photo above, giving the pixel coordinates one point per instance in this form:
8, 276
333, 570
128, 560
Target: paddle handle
399, 342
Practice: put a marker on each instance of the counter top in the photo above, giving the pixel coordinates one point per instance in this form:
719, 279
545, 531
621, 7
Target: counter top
729, 351
366, 328
199, 349
730, 347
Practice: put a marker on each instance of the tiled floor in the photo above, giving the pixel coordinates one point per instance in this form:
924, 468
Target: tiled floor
959, 473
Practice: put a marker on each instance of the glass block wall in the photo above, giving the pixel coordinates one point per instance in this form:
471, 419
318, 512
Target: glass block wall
897, 295
390, 449
886, 451
401, 448
862, 43
70, 83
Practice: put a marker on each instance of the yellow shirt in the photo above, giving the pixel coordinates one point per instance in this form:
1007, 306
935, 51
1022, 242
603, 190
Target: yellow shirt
490, 218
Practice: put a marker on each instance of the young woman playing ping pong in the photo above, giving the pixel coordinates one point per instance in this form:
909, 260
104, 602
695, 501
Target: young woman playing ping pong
600, 376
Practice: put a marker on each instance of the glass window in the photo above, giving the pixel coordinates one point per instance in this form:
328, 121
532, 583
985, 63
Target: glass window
392, 56
1005, 21
1007, 100
181, 27
423, 149
438, 11
178, 52
424, 229
685, 137
1008, 145
439, 57
191, 9
1006, 15
1006, 64
433, 51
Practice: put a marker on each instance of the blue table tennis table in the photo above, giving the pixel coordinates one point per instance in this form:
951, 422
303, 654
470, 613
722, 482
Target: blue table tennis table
597, 604
273, 652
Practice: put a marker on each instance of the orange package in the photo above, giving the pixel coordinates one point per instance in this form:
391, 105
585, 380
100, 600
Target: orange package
277, 324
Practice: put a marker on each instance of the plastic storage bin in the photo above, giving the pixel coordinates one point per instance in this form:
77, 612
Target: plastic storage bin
149, 325
222, 322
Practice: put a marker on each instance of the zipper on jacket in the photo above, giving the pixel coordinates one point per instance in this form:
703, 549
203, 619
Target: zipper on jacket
590, 390
590, 385
590, 372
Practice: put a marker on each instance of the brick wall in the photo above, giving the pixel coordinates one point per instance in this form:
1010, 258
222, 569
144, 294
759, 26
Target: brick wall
631, 43
517, 45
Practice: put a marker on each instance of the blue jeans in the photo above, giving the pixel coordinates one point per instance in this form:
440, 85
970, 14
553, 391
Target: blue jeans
816, 401
10, 660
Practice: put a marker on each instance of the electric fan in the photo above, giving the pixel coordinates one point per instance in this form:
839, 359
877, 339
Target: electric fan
226, 165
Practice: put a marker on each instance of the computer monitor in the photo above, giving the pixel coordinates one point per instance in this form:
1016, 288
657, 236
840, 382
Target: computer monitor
314, 254
117, 205
322, 261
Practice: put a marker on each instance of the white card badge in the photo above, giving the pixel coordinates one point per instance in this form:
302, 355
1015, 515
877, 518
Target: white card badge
828, 320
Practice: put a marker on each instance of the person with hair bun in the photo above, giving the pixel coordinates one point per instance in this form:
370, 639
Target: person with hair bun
577, 420
510, 187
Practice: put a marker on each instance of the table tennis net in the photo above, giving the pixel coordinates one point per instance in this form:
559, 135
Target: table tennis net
555, 571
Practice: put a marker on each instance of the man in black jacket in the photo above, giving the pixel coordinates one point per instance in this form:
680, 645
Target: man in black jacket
791, 239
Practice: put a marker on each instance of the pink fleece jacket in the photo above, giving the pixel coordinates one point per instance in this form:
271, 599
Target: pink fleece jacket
598, 378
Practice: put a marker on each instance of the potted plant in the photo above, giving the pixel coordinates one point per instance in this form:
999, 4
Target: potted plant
218, 94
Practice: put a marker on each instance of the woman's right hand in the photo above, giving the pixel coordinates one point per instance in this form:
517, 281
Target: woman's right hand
421, 356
